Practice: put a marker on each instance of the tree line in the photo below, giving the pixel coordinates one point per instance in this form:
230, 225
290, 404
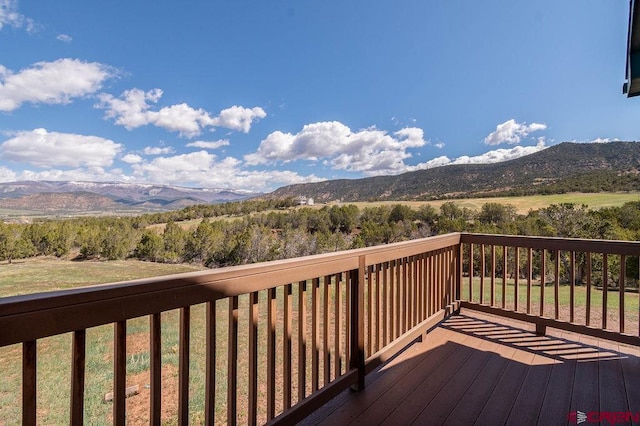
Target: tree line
255, 231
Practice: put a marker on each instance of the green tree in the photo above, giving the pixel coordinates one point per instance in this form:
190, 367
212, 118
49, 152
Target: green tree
205, 242
150, 247
12, 244
174, 239
400, 213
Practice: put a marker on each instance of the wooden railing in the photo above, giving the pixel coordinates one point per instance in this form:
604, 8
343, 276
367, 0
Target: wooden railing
586, 286
297, 332
283, 338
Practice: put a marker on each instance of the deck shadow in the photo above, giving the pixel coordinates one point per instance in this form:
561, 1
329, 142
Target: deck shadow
473, 370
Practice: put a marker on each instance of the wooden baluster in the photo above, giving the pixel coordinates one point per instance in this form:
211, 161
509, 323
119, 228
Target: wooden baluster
470, 272
449, 272
417, 295
401, 311
119, 372
408, 275
253, 358
302, 340
623, 271
286, 346
529, 278
272, 313
440, 277
482, 269
516, 284
421, 288
77, 377
543, 276
369, 309
183, 366
232, 362
392, 301
29, 381
315, 335
605, 286
572, 287
433, 286
505, 259
347, 319
378, 310
210, 365
356, 352
588, 307
385, 304
325, 331
337, 329
493, 275
447, 275
556, 286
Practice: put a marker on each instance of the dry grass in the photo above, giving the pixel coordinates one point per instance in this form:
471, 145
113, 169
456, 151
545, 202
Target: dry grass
522, 204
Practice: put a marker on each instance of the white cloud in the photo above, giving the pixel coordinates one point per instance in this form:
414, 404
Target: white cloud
7, 175
435, 162
202, 168
92, 174
10, 16
500, 155
158, 150
209, 144
440, 145
51, 149
511, 132
133, 109
495, 156
65, 38
604, 140
369, 151
238, 118
54, 82
132, 159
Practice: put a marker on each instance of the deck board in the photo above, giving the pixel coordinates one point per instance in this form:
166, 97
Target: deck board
350, 405
480, 369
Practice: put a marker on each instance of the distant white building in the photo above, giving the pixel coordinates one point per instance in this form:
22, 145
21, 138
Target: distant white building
304, 201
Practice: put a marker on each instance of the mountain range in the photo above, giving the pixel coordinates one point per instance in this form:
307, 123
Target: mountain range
74, 197
566, 167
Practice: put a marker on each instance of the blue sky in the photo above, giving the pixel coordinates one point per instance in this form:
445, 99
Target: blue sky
255, 95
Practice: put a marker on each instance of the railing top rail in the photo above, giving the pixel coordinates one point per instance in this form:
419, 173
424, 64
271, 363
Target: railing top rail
39, 315
630, 248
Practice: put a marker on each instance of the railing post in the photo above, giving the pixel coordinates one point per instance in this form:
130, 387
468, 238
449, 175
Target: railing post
356, 358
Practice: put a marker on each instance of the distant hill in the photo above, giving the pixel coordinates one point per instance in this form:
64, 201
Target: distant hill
566, 167
78, 197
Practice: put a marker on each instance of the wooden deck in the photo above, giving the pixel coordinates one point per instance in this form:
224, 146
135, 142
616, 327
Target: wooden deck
485, 370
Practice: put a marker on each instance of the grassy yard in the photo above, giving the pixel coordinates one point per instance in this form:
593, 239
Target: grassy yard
580, 301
